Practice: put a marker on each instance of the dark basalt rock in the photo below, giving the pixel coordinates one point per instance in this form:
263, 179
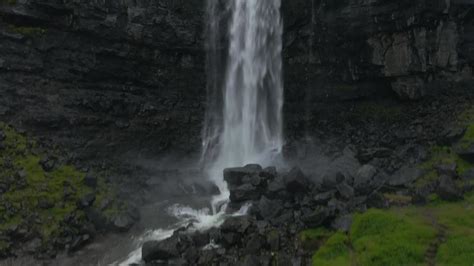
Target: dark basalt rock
90, 180
405, 176
161, 250
235, 176
448, 190
296, 182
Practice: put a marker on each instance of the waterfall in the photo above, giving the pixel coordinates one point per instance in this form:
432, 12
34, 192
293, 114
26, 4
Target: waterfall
243, 122
250, 128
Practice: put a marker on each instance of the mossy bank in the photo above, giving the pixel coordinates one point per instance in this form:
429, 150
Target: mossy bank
47, 204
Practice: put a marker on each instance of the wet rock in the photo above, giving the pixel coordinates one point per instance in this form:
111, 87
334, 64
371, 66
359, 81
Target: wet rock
447, 189
468, 175
90, 180
33, 245
275, 187
346, 191
48, 163
123, 221
364, 179
269, 208
86, 201
465, 151
409, 88
323, 198
79, 242
296, 182
97, 218
448, 169
342, 223
273, 240
235, 176
452, 134
254, 245
269, 173
368, 154
245, 192
332, 179
405, 176
161, 250
316, 217
236, 224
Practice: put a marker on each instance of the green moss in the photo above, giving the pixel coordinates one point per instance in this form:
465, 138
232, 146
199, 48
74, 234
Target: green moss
8, 2
334, 252
318, 233
40, 196
28, 31
441, 155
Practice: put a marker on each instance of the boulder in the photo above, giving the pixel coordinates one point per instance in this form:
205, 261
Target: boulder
332, 179
342, 223
325, 197
409, 88
448, 190
269, 209
295, 181
48, 163
161, 250
236, 224
405, 176
448, 169
245, 192
346, 191
86, 201
316, 217
234, 176
90, 180
465, 151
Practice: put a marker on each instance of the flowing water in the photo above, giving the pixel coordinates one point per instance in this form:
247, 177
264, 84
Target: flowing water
243, 123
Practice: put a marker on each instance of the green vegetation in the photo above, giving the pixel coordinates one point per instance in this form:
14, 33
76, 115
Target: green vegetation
8, 2
402, 236
37, 200
28, 31
335, 251
439, 156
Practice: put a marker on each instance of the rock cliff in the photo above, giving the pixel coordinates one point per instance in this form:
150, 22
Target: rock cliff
108, 77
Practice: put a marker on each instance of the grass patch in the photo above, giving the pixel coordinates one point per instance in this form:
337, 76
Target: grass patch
390, 238
459, 220
401, 236
335, 251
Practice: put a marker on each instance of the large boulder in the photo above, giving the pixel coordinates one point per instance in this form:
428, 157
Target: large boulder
235, 176
245, 192
161, 250
296, 182
405, 176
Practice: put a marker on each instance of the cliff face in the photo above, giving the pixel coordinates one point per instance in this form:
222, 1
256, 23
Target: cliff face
115, 76
352, 48
108, 76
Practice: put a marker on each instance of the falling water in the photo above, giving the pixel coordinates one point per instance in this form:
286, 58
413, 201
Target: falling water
252, 93
243, 123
